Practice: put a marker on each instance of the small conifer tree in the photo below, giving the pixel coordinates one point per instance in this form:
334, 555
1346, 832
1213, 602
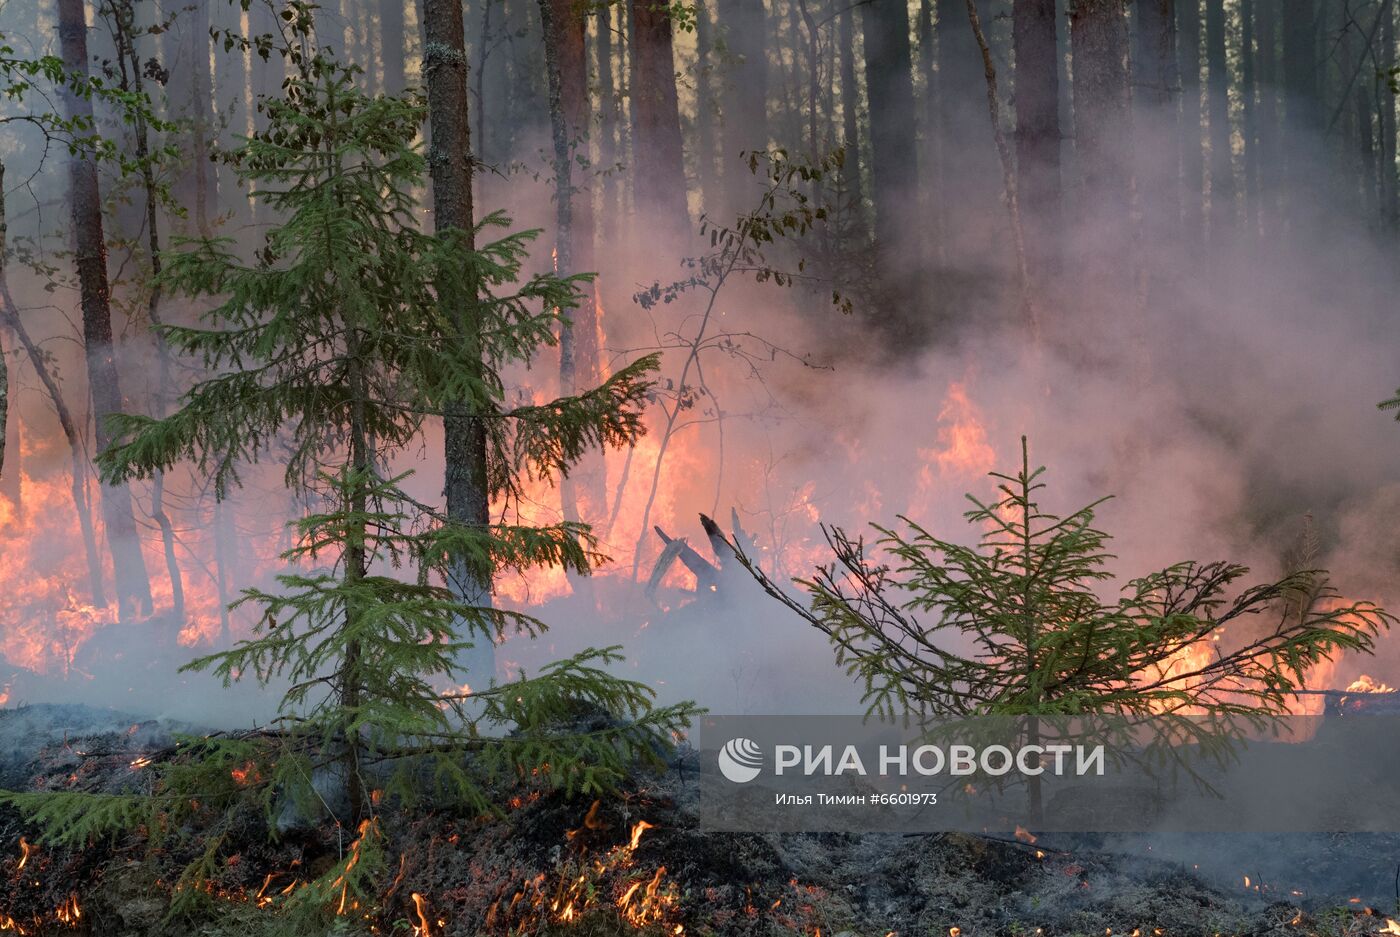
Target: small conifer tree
1019, 625
333, 345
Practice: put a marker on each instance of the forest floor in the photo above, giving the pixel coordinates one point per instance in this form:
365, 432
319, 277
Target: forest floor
636, 864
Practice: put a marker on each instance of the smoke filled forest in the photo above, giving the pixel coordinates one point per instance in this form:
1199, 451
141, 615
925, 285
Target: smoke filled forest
444, 443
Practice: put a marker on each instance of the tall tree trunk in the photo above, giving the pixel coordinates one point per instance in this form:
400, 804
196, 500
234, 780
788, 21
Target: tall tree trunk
810, 37
199, 190
1300, 82
4, 354
1102, 144
557, 21
627, 111
265, 81
12, 479
450, 164
1362, 190
1248, 116
970, 183
745, 103
706, 116
133, 586
352, 676
1268, 130
889, 82
232, 109
607, 127
1222, 172
391, 37
657, 159
1099, 33
1389, 183
223, 560
1155, 127
4, 410
1008, 173
850, 119
1192, 155
1035, 45
932, 145
564, 28
132, 81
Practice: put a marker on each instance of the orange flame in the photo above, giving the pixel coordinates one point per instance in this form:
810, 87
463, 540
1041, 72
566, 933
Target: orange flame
420, 908
1364, 684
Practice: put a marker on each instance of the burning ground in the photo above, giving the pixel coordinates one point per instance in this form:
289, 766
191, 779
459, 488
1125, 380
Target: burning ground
635, 863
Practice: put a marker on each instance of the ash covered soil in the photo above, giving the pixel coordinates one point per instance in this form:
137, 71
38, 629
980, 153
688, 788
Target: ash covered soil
635, 863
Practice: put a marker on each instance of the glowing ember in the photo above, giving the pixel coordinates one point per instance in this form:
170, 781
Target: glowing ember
246, 774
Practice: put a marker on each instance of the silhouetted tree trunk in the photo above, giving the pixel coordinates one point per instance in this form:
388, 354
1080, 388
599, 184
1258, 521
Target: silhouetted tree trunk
223, 511
12, 477
850, 112
1099, 34
889, 82
4, 409
450, 166
608, 151
810, 38
1300, 82
231, 109
745, 104
4, 354
391, 37
969, 183
932, 144
1222, 173
1249, 124
1156, 86
1192, 154
1035, 44
198, 190
1353, 55
627, 110
1389, 208
706, 117
1268, 130
657, 158
578, 340
133, 80
133, 586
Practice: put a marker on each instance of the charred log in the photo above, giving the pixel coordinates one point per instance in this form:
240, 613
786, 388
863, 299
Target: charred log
707, 575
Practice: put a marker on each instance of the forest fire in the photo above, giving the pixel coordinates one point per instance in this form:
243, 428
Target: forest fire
46, 622
47, 612
586, 883
420, 420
